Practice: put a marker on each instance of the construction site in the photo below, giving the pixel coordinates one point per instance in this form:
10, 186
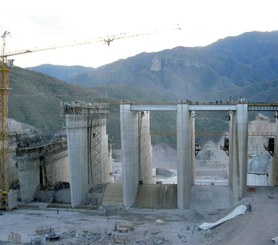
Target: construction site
68, 189
64, 189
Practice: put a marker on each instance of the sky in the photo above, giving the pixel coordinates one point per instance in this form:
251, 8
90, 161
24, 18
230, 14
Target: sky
40, 24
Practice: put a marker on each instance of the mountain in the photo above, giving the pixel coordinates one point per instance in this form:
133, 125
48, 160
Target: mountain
64, 73
231, 67
35, 98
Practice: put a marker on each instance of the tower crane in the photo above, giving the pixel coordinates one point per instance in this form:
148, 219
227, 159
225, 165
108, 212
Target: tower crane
4, 91
4, 149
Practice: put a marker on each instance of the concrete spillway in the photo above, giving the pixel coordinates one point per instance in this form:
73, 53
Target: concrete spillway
84, 159
133, 152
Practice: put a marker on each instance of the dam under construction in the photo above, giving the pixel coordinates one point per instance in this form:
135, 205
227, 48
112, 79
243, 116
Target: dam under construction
76, 169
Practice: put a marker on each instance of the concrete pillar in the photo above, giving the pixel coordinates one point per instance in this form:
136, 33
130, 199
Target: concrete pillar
184, 156
233, 163
129, 145
106, 156
242, 146
144, 148
238, 151
274, 165
77, 157
193, 142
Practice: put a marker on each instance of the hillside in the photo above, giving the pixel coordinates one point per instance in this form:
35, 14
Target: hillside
234, 66
64, 73
35, 98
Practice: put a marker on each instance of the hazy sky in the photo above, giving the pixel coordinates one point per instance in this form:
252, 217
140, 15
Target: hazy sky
40, 23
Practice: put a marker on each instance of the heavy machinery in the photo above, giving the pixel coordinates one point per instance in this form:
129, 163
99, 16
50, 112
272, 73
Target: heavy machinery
4, 91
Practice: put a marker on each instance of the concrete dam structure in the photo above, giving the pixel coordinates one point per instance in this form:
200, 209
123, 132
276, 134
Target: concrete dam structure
133, 153
42, 164
82, 161
77, 166
89, 154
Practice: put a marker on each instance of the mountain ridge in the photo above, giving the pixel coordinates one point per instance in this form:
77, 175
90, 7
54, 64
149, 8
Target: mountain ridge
230, 64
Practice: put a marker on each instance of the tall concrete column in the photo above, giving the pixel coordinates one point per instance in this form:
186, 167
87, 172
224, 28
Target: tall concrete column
106, 156
274, 165
233, 162
193, 142
242, 146
78, 157
145, 148
129, 145
184, 156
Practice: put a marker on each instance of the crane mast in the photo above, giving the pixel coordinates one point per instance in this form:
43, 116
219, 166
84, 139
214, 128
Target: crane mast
4, 150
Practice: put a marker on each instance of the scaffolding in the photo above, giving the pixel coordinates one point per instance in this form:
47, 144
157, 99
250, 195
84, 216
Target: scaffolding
95, 116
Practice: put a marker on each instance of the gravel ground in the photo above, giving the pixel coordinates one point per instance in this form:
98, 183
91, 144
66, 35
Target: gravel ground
144, 226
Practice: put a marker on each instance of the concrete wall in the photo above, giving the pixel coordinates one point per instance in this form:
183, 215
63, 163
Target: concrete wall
57, 168
39, 169
13, 170
29, 177
258, 180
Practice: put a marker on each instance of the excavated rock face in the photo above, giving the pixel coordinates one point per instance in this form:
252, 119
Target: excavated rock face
21, 128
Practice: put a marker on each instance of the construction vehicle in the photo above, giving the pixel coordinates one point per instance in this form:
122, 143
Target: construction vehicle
5, 203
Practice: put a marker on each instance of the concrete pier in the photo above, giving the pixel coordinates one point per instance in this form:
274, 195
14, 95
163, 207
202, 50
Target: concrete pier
184, 155
233, 163
145, 148
274, 164
136, 152
130, 160
242, 146
88, 148
29, 178
41, 165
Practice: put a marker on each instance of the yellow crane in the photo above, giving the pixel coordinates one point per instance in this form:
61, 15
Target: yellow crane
4, 149
4, 91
